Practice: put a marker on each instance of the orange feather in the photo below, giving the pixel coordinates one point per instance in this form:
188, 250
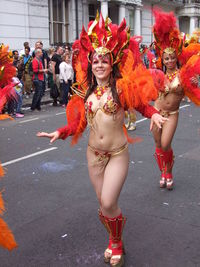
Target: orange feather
7, 239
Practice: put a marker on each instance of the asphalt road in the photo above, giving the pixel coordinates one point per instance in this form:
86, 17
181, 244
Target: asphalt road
52, 208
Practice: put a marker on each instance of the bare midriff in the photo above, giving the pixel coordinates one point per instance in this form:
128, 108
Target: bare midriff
107, 132
106, 119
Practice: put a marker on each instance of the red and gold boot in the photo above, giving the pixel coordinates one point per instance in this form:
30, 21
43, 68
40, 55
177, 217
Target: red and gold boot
108, 251
159, 159
168, 159
115, 228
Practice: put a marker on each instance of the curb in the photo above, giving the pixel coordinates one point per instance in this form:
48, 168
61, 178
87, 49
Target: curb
45, 102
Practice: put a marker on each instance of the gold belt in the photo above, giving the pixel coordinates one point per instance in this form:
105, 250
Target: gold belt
104, 156
166, 114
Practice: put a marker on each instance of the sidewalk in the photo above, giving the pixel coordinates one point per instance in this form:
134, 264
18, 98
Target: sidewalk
45, 99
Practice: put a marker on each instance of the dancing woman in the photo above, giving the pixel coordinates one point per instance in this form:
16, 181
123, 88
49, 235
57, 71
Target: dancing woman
104, 90
169, 48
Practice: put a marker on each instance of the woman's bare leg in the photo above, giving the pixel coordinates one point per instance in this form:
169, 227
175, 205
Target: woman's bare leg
106, 187
114, 178
157, 135
168, 131
96, 173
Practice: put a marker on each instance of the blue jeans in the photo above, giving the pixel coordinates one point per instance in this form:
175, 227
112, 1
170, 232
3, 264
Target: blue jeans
19, 103
65, 90
37, 94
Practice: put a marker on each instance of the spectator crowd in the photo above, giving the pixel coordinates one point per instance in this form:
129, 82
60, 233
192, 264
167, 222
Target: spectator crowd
38, 69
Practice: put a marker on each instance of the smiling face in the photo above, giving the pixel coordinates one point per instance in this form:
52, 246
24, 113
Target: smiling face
101, 68
170, 61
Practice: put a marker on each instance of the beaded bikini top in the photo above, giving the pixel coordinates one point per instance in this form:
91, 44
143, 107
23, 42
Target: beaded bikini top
105, 104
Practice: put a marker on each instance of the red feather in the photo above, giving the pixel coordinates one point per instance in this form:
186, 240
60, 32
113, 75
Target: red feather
189, 70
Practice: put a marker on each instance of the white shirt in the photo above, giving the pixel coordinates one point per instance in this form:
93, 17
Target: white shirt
66, 71
22, 52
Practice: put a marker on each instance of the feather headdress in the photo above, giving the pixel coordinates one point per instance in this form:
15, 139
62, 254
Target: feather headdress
166, 34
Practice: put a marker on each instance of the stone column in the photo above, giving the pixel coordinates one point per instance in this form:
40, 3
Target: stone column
122, 12
104, 8
51, 22
137, 26
27, 25
64, 24
85, 13
193, 24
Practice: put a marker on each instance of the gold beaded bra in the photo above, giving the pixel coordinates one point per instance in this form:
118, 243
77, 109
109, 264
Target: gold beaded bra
106, 104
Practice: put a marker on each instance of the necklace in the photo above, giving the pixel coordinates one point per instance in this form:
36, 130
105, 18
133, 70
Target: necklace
100, 90
171, 76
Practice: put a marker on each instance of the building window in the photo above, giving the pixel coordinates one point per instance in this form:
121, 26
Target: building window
93, 11
131, 21
58, 21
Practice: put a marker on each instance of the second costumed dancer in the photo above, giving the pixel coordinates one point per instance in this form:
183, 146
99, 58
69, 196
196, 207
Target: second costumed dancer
169, 48
110, 79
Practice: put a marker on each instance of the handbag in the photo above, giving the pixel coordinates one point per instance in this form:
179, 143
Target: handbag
54, 93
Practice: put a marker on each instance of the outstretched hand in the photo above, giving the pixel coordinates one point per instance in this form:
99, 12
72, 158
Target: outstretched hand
53, 136
158, 120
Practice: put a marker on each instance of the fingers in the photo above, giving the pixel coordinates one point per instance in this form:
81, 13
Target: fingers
43, 134
53, 139
158, 120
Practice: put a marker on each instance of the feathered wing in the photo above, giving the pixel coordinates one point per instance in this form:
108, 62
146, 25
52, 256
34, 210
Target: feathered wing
7, 72
136, 87
6, 94
188, 71
7, 239
76, 119
75, 111
187, 52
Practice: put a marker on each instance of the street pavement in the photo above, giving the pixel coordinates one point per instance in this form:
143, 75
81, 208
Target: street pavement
52, 208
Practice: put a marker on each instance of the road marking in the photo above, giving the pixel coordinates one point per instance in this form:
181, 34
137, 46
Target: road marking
141, 120
28, 156
184, 106
60, 113
28, 120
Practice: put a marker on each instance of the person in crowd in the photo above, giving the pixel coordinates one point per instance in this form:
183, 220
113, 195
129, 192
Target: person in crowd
19, 64
22, 52
44, 59
67, 49
38, 78
27, 77
55, 63
143, 52
66, 77
152, 49
50, 54
18, 86
102, 97
130, 118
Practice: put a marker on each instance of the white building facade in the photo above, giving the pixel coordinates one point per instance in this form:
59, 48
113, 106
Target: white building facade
61, 21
